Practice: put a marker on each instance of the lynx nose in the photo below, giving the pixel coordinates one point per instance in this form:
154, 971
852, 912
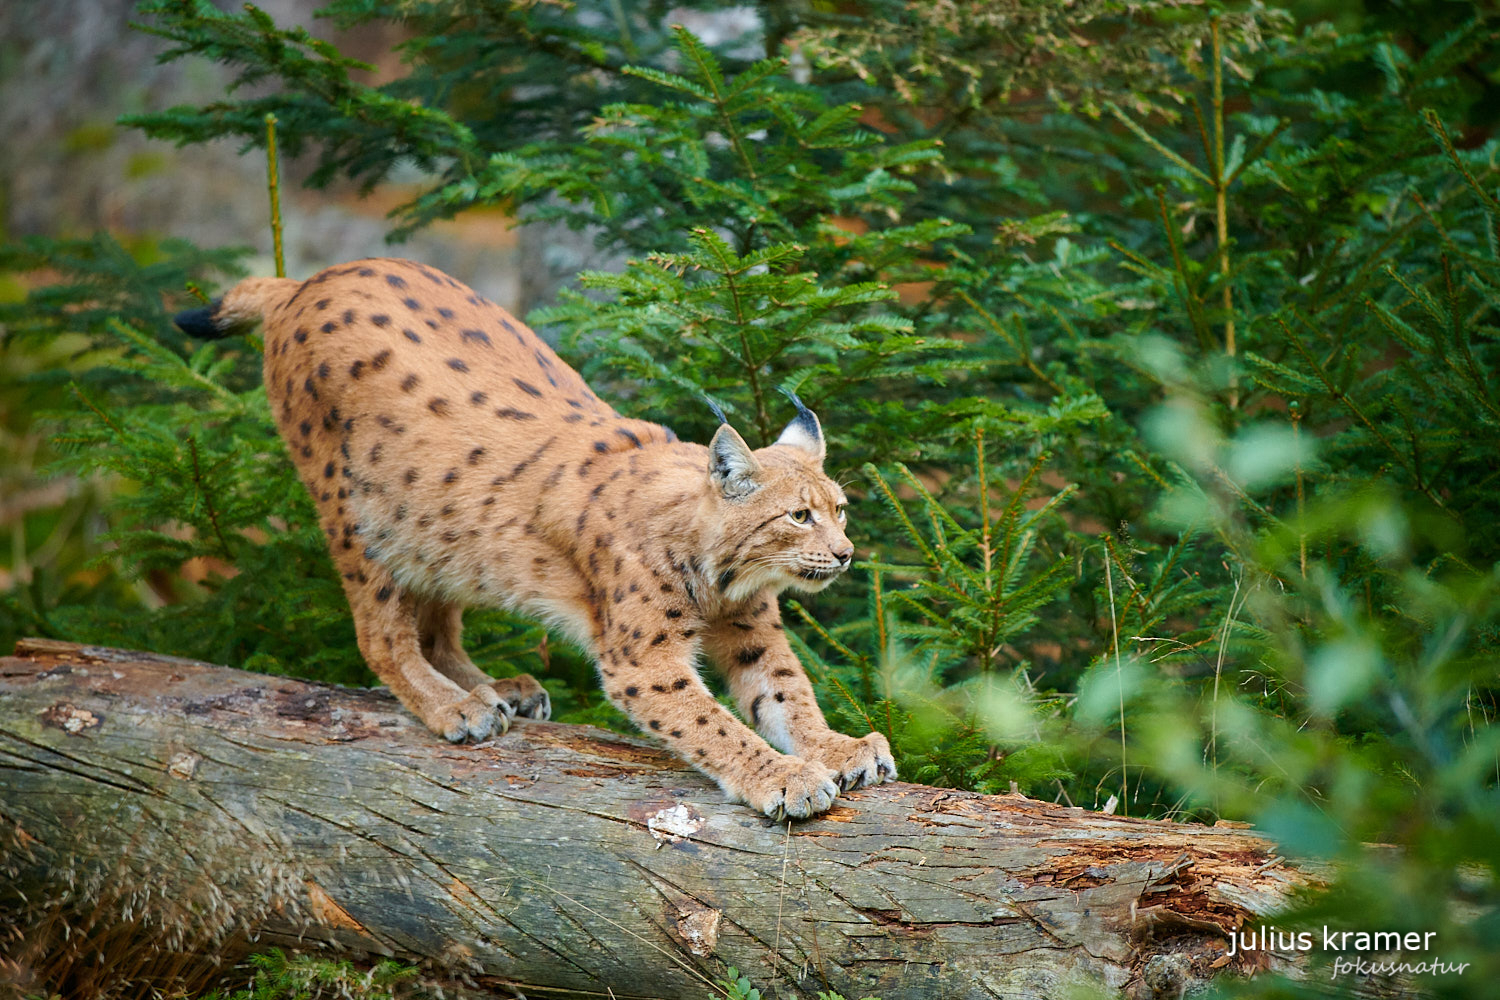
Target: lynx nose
843, 553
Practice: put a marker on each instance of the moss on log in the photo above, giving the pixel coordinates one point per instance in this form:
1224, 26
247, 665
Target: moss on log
209, 811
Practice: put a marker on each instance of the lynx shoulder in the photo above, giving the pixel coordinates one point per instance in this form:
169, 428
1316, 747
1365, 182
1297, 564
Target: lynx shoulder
456, 460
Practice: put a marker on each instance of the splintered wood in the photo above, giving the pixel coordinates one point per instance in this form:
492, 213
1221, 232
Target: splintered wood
223, 811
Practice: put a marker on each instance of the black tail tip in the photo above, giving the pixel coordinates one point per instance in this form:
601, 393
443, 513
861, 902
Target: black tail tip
199, 323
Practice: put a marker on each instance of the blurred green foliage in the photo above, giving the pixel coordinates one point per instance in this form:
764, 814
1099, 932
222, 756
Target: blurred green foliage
1163, 370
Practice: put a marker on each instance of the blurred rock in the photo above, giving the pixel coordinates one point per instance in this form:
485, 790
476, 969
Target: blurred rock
70, 68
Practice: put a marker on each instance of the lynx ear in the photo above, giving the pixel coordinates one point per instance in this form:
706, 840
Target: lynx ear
804, 431
731, 464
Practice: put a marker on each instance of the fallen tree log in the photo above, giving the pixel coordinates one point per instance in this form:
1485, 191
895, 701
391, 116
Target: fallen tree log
202, 812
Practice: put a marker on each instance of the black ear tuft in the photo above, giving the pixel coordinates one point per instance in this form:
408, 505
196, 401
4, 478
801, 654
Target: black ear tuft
718, 410
804, 431
199, 323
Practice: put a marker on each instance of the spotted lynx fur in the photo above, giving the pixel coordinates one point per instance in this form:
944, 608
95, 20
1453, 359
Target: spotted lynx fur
457, 461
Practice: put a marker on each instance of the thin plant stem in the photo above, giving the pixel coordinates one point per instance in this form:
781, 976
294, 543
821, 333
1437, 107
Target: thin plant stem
1114, 626
1221, 209
273, 183
1296, 411
1212, 749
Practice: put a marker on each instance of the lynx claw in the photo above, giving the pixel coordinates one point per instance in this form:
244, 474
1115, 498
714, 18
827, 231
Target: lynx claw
526, 696
858, 762
478, 716
803, 788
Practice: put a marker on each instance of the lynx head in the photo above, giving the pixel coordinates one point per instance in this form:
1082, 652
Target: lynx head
783, 518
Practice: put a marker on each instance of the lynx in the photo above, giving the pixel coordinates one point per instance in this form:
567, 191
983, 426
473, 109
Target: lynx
456, 461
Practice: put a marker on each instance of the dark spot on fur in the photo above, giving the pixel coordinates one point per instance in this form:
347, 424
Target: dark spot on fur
780, 696
445, 312
409, 383
573, 418
508, 413
661, 637
679, 684
380, 359
629, 436
329, 327
383, 594
328, 471
412, 336
782, 672
300, 336
755, 711
478, 336
457, 365
381, 320
527, 387
601, 447
654, 724
410, 477
349, 316
322, 303
750, 654
632, 691
395, 281
438, 405
451, 476
305, 427
674, 612
357, 369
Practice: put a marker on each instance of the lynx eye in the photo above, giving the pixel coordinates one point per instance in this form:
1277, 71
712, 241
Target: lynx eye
802, 516
843, 513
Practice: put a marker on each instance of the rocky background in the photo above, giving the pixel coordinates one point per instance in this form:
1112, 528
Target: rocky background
70, 68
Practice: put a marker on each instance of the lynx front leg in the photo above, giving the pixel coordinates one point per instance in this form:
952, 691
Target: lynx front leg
773, 692
648, 673
441, 628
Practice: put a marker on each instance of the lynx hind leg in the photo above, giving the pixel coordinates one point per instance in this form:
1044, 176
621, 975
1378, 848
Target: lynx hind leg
441, 628
385, 623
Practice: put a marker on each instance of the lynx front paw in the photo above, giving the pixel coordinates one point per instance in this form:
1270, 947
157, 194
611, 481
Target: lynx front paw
478, 716
856, 762
525, 695
793, 787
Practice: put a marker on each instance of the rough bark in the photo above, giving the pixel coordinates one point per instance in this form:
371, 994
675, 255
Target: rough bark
210, 810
